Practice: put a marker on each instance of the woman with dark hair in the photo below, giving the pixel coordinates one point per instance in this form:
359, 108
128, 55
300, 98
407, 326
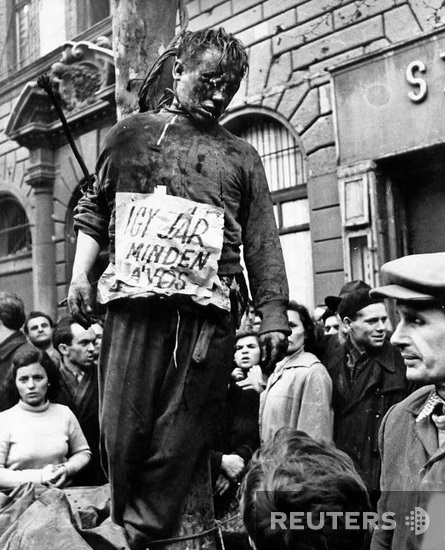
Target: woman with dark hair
299, 391
40, 441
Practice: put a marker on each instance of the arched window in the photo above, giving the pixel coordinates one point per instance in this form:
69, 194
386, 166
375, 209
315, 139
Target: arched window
284, 164
15, 234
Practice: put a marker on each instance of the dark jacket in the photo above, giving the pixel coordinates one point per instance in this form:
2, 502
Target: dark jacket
87, 413
413, 466
238, 433
359, 409
211, 166
7, 349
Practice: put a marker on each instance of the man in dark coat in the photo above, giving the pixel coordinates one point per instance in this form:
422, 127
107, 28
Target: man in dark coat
368, 376
79, 390
12, 317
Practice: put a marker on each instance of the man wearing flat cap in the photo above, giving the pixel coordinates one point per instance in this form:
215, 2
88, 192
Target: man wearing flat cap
412, 434
332, 303
368, 377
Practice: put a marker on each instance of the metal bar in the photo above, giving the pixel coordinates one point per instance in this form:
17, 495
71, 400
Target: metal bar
44, 82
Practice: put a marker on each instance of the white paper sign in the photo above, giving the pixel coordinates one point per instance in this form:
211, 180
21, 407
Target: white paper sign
168, 245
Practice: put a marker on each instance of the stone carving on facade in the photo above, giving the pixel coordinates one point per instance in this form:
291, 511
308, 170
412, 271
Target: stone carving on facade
84, 79
83, 70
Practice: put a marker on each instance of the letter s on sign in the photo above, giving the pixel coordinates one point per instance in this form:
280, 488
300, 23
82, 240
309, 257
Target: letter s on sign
411, 70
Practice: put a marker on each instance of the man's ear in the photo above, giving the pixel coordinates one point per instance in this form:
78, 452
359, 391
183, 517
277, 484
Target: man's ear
63, 348
347, 323
178, 69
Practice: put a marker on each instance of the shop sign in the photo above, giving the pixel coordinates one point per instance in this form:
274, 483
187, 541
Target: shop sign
391, 102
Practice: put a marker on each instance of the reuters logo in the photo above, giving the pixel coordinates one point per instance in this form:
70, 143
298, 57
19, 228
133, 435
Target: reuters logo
417, 520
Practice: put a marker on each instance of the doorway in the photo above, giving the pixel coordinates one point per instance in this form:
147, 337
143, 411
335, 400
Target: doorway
412, 203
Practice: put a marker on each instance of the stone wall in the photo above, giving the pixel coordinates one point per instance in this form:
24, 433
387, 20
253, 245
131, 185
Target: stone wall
292, 44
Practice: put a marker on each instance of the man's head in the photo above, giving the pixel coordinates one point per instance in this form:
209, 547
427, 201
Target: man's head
332, 302
75, 344
331, 321
208, 70
295, 473
365, 319
12, 311
39, 328
247, 350
417, 282
98, 329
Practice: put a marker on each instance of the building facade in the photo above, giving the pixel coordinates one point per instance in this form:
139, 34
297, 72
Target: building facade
344, 101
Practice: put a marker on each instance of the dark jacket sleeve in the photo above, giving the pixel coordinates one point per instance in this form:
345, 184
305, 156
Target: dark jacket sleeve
92, 215
263, 255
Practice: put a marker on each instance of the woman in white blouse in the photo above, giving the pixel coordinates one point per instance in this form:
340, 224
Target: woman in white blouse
40, 441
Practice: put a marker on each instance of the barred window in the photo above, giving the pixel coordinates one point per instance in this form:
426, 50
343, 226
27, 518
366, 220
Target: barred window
278, 149
15, 234
285, 169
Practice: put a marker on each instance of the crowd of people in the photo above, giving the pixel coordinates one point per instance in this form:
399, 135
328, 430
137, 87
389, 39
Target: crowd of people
336, 386
49, 424
329, 394
372, 438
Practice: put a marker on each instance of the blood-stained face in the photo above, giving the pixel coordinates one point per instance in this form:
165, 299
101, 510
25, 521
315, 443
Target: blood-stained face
205, 87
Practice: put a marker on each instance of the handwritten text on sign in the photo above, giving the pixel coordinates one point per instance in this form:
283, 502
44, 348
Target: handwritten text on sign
167, 245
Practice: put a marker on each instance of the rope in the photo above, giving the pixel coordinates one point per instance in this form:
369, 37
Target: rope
44, 82
217, 528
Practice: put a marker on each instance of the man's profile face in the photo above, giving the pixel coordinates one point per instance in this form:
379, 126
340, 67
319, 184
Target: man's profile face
81, 351
98, 331
40, 332
205, 87
420, 336
369, 327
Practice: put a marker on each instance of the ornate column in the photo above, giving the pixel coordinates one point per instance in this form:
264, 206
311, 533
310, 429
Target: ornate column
40, 176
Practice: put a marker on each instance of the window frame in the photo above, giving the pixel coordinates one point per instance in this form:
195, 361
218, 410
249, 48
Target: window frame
7, 203
291, 236
21, 60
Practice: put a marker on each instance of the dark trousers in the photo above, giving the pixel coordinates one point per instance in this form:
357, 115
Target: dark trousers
164, 373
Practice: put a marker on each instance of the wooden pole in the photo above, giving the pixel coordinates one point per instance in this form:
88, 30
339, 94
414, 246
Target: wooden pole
142, 29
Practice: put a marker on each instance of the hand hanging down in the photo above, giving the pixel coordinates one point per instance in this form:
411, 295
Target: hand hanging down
273, 348
80, 291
